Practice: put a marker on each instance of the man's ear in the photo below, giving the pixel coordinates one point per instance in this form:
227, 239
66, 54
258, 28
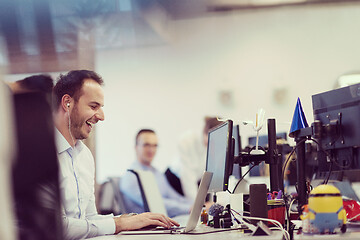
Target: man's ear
66, 102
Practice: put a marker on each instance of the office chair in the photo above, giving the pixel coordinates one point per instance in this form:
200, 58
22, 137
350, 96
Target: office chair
174, 181
110, 197
150, 192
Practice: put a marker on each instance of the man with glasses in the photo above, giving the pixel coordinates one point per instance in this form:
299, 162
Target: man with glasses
145, 146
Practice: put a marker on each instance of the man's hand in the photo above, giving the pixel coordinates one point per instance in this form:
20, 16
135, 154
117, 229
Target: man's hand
124, 222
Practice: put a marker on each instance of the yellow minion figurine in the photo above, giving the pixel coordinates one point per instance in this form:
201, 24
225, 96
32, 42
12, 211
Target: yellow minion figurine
326, 209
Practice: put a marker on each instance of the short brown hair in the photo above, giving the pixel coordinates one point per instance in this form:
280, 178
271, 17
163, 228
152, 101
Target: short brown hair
71, 84
144, 130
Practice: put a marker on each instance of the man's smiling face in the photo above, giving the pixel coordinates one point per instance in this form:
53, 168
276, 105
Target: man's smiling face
87, 111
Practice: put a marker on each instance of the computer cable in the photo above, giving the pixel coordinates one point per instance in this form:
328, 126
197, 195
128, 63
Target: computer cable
277, 224
72, 138
287, 209
291, 203
289, 157
242, 177
331, 161
329, 174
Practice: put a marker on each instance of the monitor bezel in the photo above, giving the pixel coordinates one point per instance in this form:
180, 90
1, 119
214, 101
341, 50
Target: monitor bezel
237, 171
228, 157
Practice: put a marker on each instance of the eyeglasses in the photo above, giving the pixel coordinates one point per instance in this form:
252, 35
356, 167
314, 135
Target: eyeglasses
148, 145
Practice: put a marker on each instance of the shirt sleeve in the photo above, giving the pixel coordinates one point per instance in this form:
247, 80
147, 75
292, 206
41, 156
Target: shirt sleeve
85, 228
104, 223
93, 224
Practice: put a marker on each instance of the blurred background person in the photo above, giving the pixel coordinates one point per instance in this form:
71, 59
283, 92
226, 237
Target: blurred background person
185, 171
35, 171
146, 146
35, 83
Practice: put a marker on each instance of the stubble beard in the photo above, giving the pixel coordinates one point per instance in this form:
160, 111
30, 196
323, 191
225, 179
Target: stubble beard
77, 124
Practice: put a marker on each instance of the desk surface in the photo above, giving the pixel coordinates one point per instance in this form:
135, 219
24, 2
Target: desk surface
352, 233
225, 235
228, 235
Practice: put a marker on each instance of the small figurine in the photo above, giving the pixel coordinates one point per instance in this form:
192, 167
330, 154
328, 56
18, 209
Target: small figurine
326, 210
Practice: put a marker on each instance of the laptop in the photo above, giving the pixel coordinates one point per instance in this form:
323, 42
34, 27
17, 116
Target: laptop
194, 214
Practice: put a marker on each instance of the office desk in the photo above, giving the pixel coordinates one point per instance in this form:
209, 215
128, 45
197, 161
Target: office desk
352, 233
227, 236
231, 235
347, 236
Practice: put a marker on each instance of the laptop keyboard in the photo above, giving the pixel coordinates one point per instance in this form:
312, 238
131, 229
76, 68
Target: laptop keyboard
158, 228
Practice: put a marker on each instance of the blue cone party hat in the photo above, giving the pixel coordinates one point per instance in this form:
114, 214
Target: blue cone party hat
299, 120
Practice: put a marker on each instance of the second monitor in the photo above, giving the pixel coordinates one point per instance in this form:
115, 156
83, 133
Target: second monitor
220, 154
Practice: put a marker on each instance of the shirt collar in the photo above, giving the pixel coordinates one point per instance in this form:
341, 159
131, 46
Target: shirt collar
63, 145
138, 165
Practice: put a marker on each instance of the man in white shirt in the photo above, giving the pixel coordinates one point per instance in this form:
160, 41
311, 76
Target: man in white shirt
78, 101
146, 146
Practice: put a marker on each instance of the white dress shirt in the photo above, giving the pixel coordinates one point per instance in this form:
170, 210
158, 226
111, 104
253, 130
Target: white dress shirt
77, 172
175, 204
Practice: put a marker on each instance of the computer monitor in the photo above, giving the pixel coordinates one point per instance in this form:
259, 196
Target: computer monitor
338, 112
237, 149
220, 154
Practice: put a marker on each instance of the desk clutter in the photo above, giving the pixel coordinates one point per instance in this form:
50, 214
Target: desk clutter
327, 212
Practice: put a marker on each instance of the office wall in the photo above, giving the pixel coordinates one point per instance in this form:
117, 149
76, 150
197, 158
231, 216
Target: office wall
260, 58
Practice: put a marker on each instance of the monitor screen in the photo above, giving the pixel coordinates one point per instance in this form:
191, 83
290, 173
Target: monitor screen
220, 155
237, 149
339, 112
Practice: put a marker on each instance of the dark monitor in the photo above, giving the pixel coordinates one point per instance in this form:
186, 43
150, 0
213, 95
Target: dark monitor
219, 156
237, 149
339, 113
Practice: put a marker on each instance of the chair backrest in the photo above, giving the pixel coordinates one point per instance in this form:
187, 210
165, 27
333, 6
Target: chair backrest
110, 198
150, 193
174, 181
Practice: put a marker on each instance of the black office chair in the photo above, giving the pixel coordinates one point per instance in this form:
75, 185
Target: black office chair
110, 197
174, 181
